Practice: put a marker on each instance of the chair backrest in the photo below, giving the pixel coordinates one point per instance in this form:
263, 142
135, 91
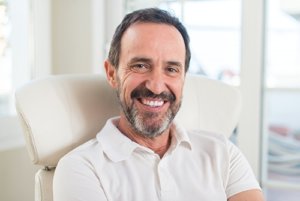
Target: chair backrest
61, 112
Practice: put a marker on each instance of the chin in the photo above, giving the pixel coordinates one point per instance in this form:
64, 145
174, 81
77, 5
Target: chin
152, 129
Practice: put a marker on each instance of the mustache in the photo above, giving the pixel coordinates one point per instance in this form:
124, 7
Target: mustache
143, 92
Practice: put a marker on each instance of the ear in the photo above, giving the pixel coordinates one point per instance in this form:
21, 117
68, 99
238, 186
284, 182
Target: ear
111, 74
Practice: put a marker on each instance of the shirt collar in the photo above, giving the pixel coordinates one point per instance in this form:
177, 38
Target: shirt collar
115, 145
118, 147
179, 136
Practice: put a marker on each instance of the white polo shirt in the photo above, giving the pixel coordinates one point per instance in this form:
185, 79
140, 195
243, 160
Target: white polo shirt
197, 166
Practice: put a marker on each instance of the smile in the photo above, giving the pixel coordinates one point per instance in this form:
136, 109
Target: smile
152, 103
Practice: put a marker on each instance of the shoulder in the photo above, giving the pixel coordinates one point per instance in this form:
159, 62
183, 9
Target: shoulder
227, 160
84, 156
211, 149
217, 146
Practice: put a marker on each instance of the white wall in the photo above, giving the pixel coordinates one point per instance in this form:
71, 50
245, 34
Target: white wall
77, 36
81, 35
17, 175
40, 38
114, 12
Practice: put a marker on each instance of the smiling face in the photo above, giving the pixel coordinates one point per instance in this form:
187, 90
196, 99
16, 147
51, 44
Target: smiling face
150, 77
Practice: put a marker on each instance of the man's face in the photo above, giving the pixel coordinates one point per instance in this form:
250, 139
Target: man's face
150, 77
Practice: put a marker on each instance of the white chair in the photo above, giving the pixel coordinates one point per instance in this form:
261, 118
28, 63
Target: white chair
61, 112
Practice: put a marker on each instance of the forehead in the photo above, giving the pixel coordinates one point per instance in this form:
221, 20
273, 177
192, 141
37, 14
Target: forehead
153, 38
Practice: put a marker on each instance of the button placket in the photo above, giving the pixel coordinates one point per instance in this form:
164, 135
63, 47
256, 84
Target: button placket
166, 181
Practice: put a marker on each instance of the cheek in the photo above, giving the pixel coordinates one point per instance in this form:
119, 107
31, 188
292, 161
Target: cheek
126, 86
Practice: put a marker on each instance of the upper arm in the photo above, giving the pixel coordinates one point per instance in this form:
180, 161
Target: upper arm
250, 195
241, 179
75, 180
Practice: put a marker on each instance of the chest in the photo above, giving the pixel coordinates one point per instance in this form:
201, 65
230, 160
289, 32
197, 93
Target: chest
146, 177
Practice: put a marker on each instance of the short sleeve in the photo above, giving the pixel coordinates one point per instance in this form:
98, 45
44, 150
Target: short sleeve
240, 174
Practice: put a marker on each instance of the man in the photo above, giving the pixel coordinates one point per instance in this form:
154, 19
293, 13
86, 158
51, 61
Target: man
143, 155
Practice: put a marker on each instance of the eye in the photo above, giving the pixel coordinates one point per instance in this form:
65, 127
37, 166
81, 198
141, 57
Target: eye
140, 67
171, 70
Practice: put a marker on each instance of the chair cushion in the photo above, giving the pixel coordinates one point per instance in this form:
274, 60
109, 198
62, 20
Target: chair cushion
61, 112
209, 105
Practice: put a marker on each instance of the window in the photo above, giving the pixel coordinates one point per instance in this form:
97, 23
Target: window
14, 51
281, 105
14, 66
5, 59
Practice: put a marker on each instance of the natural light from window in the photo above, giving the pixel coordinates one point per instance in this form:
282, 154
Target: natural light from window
14, 51
5, 59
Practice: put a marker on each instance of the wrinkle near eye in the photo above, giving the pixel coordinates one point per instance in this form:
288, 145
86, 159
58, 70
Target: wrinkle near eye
140, 64
140, 67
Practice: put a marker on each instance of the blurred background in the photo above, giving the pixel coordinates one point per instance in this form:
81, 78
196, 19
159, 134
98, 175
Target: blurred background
251, 44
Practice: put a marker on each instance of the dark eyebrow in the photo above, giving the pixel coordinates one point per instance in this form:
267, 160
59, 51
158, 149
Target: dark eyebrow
140, 59
175, 63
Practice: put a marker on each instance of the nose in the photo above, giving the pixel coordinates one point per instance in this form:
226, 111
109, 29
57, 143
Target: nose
156, 81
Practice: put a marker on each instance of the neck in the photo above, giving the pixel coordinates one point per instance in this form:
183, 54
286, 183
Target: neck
159, 144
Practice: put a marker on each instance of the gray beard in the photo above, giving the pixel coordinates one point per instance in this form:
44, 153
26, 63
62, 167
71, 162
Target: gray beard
139, 122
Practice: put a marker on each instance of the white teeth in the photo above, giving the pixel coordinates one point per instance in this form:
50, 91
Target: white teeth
152, 103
